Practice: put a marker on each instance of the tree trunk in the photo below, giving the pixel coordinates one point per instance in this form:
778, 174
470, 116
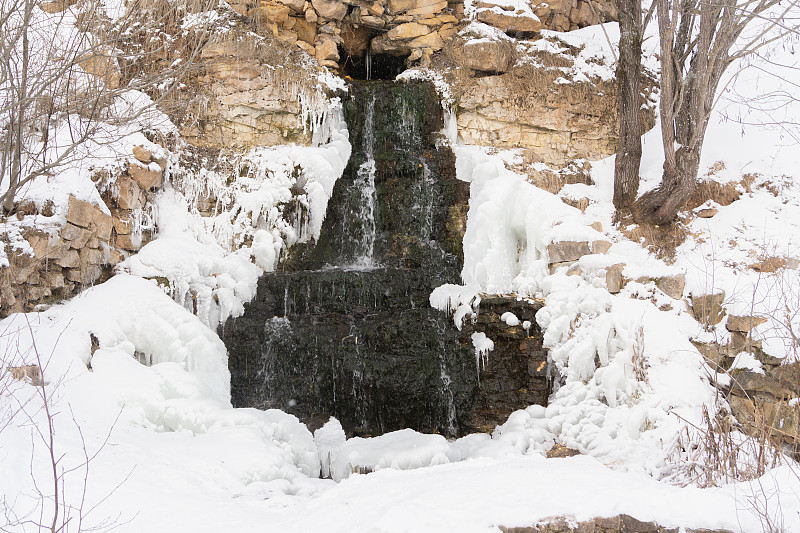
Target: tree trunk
629, 145
660, 206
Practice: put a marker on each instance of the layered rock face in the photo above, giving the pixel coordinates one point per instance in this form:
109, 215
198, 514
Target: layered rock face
340, 31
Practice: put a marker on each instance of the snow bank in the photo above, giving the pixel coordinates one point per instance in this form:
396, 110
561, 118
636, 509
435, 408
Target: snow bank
123, 357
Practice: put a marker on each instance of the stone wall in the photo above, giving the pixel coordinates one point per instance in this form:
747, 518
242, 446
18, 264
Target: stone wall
615, 524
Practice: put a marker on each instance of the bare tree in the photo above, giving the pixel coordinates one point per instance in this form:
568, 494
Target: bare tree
60, 74
629, 102
700, 39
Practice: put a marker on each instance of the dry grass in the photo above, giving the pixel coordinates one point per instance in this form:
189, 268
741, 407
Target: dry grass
661, 241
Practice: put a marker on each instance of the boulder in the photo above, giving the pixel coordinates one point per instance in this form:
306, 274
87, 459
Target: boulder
330, 9
86, 215
743, 323
306, 30
614, 279
672, 286
77, 236
565, 251
326, 48
146, 176
409, 30
129, 194
488, 56
142, 154
277, 13
600, 247
508, 21
707, 308
295, 5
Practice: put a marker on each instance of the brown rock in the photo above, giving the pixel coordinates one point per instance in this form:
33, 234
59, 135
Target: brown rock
306, 31
77, 236
488, 56
743, 323
142, 154
54, 279
746, 383
409, 30
56, 6
431, 42
277, 13
429, 7
129, 242
122, 224
707, 308
509, 22
326, 48
563, 251
600, 247
103, 66
129, 194
707, 213
330, 9
597, 226
672, 286
91, 256
614, 279
147, 177
86, 215
295, 5
70, 259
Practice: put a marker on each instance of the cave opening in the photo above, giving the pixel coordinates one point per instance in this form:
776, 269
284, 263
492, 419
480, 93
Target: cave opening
371, 66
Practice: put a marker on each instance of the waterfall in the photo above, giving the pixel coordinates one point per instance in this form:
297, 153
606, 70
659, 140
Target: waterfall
350, 332
365, 183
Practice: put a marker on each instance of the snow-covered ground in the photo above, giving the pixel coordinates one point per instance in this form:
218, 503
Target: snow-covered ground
159, 447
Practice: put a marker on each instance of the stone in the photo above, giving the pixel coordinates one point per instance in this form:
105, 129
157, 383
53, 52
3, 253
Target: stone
89, 216
56, 6
142, 154
295, 5
326, 48
129, 242
707, 308
372, 21
77, 236
707, 213
46, 247
91, 256
311, 16
509, 22
400, 6
330, 9
488, 56
70, 259
746, 383
122, 224
54, 279
129, 194
564, 251
614, 279
431, 42
306, 31
672, 286
102, 66
428, 8
147, 177
409, 30
274, 12
600, 247
743, 323
597, 226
